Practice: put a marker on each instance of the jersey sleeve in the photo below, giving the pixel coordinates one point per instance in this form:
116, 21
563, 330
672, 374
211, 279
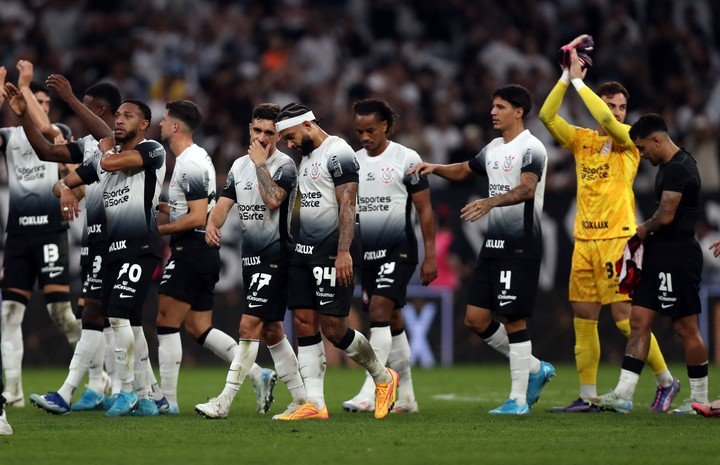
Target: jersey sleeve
560, 129
343, 166
601, 112
477, 163
414, 182
152, 153
195, 182
5, 133
534, 160
675, 177
88, 171
286, 176
229, 188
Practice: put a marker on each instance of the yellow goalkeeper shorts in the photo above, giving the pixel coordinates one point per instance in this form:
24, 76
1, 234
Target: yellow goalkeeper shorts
592, 273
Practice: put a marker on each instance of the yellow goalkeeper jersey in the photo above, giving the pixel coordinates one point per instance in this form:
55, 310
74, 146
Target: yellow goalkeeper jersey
605, 166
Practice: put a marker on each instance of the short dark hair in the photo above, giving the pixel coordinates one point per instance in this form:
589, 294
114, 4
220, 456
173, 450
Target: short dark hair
186, 111
269, 111
612, 88
646, 125
37, 86
379, 107
517, 95
292, 110
147, 113
107, 92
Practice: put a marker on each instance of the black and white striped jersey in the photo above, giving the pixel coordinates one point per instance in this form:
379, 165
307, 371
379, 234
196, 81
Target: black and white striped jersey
130, 198
265, 233
193, 178
385, 202
331, 164
32, 206
513, 230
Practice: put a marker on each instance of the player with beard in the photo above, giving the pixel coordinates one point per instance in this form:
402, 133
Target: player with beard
131, 179
187, 289
262, 184
37, 239
322, 267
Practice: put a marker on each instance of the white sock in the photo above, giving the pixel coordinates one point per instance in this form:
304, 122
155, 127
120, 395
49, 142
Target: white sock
12, 344
61, 313
286, 366
626, 384
110, 359
142, 357
664, 378
95, 370
699, 389
588, 390
245, 358
169, 358
363, 354
519, 355
85, 350
399, 360
124, 352
221, 345
499, 340
155, 391
312, 369
381, 342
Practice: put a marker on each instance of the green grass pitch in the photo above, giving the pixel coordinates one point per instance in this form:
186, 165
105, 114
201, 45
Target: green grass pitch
452, 427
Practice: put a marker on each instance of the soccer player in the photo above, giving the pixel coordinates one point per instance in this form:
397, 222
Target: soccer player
97, 112
389, 245
606, 164
322, 267
37, 241
131, 180
187, 289
262, 184
506, 275
671, 266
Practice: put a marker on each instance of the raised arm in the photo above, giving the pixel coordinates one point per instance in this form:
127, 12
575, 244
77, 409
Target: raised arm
38, 116
118, 161
97, 127
272, 194
59, 153
597, 106
428, 269
560, 129
346, 195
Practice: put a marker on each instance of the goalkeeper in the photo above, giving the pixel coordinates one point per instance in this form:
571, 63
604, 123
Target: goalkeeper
606, 162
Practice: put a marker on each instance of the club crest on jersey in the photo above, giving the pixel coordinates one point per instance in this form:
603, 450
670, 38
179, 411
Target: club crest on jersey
315, 171
507, 164
386, 174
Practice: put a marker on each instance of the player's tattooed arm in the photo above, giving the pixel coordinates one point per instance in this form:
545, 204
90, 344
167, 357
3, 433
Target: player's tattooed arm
520, 193
346, 195
272, 194
665, 213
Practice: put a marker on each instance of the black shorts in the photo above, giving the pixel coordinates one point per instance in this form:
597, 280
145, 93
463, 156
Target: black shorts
29, 256
507, 286
670, 279
266, 289
191, 276
125, 286
92, 271
314, 286
388, 278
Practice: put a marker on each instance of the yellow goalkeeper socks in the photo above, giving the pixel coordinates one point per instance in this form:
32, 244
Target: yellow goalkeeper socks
587, 353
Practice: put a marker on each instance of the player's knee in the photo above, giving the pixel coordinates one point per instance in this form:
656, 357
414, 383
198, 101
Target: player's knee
304, 326
639, 324
333, 328
92, 316
686, 329
396, 319
273, 333
476, 322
